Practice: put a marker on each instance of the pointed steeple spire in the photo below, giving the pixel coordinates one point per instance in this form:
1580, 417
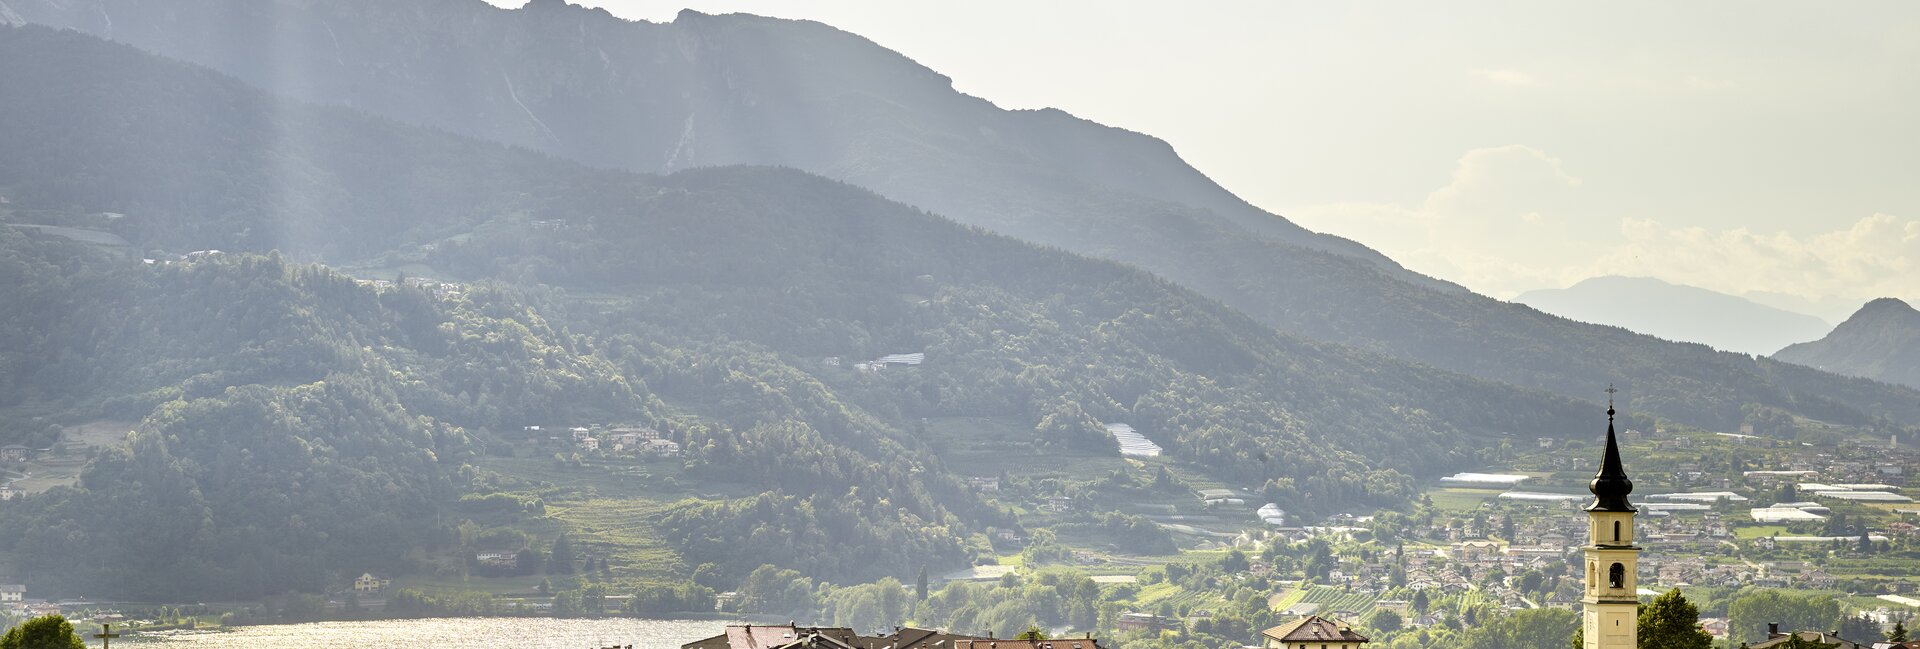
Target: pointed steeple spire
1610, 486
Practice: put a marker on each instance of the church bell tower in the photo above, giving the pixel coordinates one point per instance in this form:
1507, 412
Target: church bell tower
1611, 602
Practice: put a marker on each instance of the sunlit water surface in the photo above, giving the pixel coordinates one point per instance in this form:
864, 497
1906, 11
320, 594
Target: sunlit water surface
444, 633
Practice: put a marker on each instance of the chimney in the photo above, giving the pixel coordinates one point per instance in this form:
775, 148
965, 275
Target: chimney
1773, 630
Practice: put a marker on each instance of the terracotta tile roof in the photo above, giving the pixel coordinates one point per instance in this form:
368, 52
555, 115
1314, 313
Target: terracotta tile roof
762, 636
988, 643
1314, 628
1812, 636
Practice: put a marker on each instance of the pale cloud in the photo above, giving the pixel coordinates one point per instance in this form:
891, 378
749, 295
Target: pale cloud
1505, 77
1513, 218
1508, 180
1482, 229
1876, 256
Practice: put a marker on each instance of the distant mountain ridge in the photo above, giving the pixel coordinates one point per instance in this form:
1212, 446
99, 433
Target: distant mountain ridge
585, 85
1881, 341
706, 90
1677, 312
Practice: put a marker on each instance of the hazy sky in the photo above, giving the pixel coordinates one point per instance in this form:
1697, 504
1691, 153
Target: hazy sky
1738, 146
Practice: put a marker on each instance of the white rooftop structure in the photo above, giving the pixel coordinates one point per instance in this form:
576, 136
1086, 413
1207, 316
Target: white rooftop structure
1132, 442
1702, 496
978, 573
1676, 507
1272, 514
1543, 497
1497, 479
1783, 515
1898, 599
1779, 473
1864, 496
915, 358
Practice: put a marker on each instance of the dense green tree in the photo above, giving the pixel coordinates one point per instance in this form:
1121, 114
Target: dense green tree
777, 591
1527, 629
1384, 621
44, 632
1749, 614
1671, 622
560, 558
1858, 628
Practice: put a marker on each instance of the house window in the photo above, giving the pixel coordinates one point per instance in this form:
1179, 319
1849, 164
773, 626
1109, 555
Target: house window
1617, 576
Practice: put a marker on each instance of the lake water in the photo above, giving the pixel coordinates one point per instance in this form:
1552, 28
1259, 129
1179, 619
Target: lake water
442, 633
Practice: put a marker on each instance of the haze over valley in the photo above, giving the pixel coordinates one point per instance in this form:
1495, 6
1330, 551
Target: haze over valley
321, 312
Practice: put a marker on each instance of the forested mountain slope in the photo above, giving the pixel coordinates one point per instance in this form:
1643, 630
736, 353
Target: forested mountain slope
800, 264
1881, 341
264, 386
732, 89
297, 427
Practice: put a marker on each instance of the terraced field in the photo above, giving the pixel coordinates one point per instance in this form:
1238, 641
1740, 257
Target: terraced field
1333, 599
622, 530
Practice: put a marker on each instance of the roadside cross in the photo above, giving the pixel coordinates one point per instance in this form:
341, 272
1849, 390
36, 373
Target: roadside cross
106, 635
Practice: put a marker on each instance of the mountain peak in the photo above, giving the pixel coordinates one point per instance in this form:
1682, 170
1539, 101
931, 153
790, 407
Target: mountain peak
1886, 305
1881, 341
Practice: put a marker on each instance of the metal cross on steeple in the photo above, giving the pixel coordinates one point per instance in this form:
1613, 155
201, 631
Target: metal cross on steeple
1610, 392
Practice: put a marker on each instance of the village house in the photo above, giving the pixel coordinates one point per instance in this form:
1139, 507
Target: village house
1312, 632
14, 453
627, 437
984, 483
663, 448
1469, 550
13, 592
368, 583
1818, 638
1057, 643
